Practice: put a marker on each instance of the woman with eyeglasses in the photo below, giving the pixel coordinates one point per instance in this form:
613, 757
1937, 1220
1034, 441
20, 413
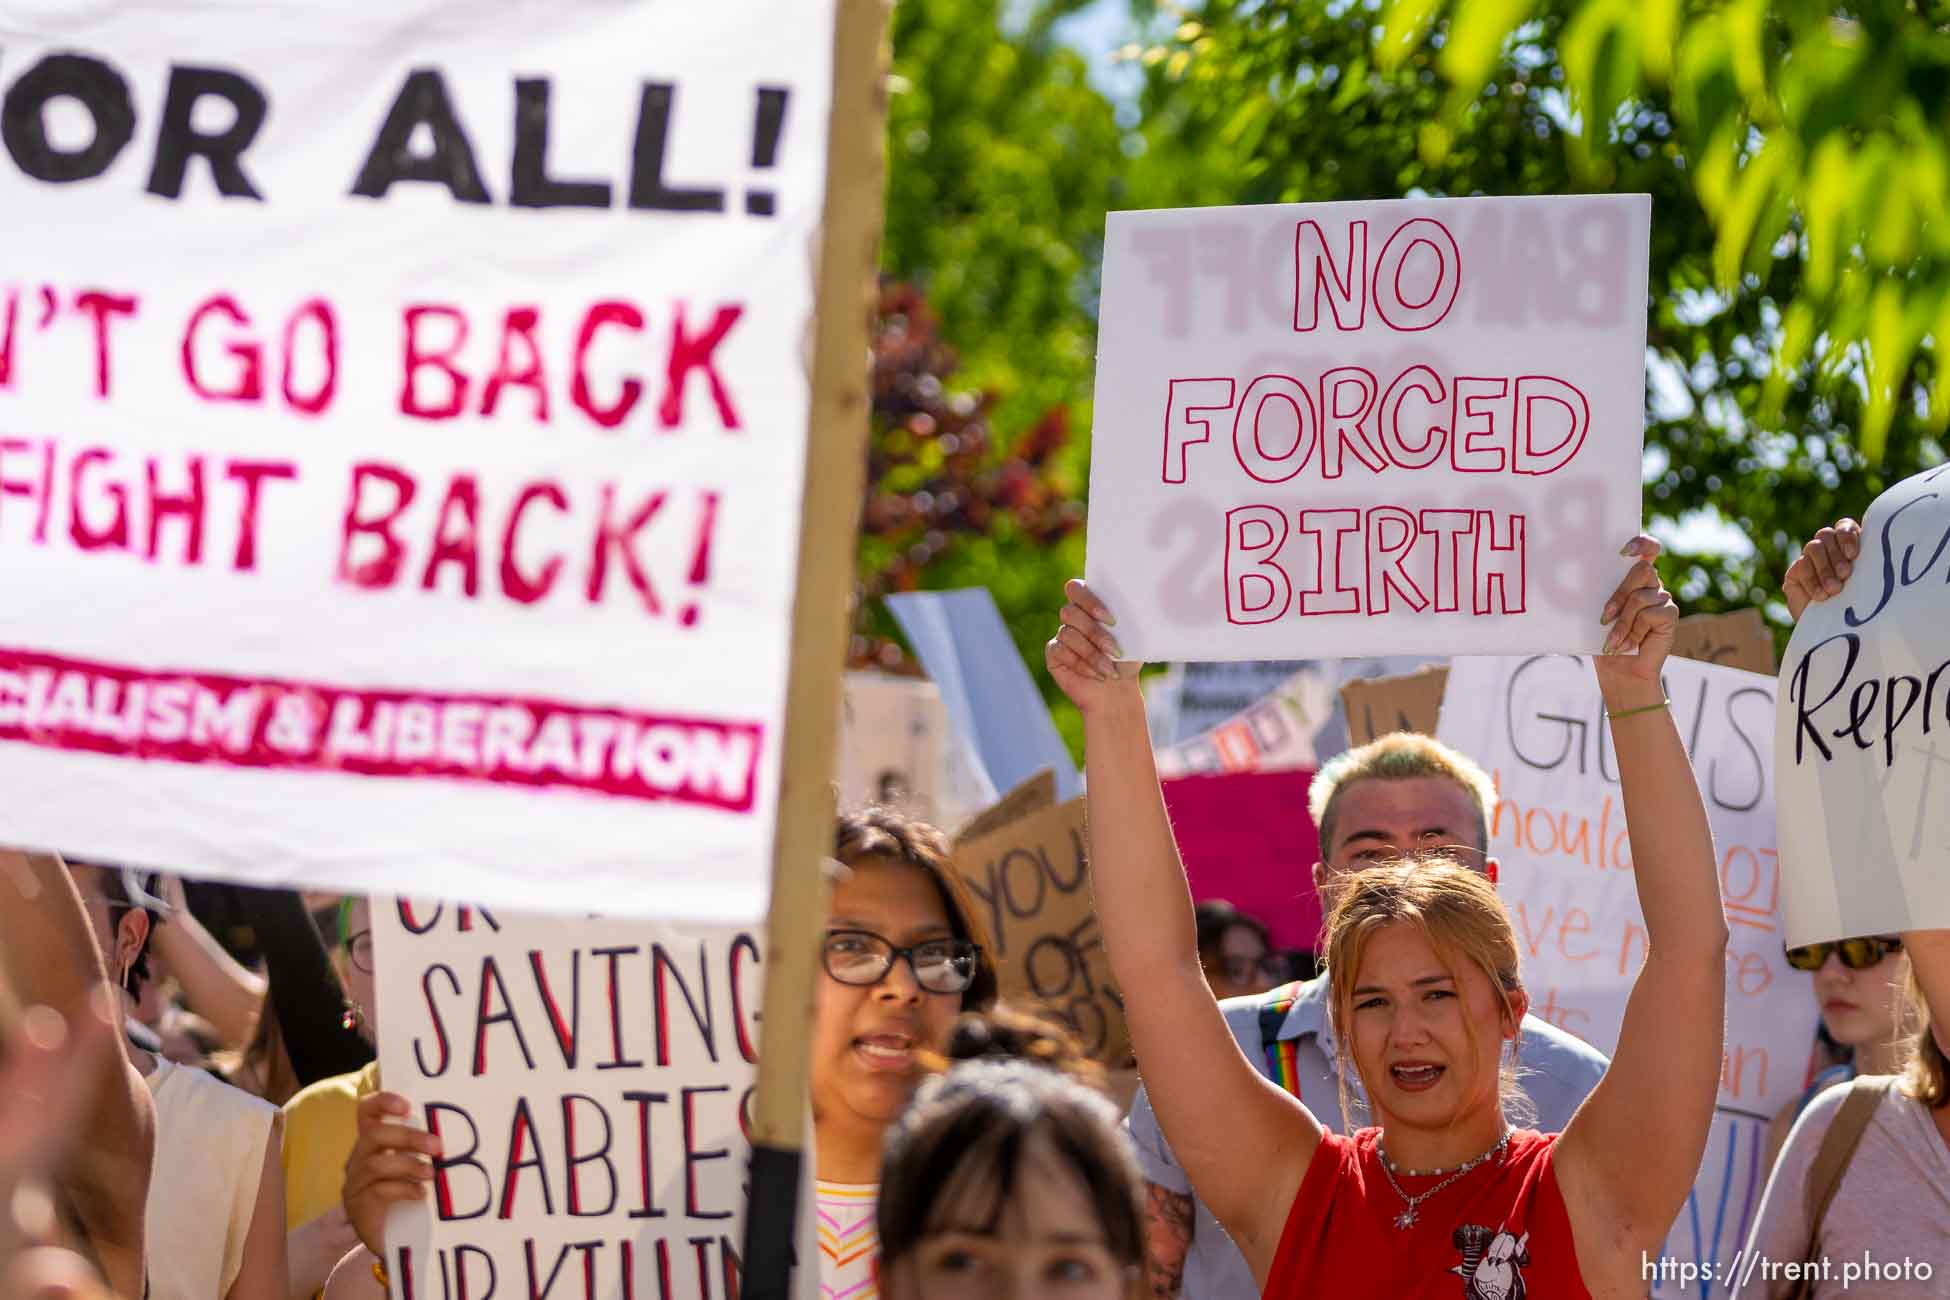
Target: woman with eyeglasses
902, 958
1859, 990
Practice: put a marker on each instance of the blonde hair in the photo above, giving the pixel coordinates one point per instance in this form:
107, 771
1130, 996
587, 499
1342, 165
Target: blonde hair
1398, 756
1458, 912
1925, 1072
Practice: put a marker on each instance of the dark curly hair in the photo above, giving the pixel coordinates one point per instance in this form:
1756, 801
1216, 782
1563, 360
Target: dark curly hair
887, 835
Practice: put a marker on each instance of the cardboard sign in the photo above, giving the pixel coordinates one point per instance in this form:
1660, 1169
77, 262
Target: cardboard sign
1273, 734
1736, 640
1347, 428
1376, 706
587, 1078
1031, 881
1032, 796
893, 744
413, 458
1861, 740
1538, 725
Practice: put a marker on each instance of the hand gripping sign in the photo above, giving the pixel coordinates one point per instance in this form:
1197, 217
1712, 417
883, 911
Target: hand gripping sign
1862, 736
1348, 428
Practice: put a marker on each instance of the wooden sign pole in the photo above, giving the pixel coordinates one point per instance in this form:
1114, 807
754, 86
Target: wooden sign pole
836, 456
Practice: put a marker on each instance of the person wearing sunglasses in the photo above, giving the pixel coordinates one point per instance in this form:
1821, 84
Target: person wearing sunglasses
1235, 951
1858, 987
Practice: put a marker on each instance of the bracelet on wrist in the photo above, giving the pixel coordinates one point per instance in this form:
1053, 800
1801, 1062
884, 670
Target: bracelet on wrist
1643, 708
379, 1273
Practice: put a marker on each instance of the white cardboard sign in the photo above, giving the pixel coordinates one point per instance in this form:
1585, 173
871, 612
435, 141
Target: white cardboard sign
1537, 724
1350, 428
1863, 738
587, 1079
402, 427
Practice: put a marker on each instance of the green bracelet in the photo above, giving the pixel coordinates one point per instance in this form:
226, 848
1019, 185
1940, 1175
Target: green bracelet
1643, 708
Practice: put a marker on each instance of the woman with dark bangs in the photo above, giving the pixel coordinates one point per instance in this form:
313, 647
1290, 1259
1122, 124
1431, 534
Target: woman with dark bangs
1007, 1180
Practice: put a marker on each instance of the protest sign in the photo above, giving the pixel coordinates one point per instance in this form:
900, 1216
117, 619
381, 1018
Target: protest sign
406, 416
1858, 743
1032, 796
1274, 733
588, 1080
1246, 837
1736, 640
1345, 428
893, 744
1031, 881
1376, 706
1538, 725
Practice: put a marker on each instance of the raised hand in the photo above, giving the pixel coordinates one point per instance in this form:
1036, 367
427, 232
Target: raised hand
1083, 657
1822, 567
1642, 618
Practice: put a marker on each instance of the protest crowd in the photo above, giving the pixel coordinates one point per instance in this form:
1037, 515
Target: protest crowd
185, 1121
509, 789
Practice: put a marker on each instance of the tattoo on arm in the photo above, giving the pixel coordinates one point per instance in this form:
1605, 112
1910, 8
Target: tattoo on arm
1168, 1238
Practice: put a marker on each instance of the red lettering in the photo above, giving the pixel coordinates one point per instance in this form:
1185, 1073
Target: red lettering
1346, 290
461, 546
417, 358
189, 506
102, 307
314, 402
518, 325
609, 535
249, 384
688, 354
601, 314
383, 569
250, 474
514, 582
116, 535
1254, 536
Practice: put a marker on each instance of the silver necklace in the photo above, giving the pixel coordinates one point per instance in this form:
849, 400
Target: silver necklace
1406, 1219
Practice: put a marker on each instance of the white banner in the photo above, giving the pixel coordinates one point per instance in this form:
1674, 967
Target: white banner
1538, 725
587, 1080
402, 425
1350, 428
1864, 827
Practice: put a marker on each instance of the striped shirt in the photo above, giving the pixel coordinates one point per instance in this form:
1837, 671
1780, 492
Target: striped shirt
849, 1246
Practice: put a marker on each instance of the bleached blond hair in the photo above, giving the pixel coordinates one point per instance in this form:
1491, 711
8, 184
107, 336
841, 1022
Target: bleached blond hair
1398, 756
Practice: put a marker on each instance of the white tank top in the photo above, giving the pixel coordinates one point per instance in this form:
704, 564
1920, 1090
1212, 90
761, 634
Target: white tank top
210, 1141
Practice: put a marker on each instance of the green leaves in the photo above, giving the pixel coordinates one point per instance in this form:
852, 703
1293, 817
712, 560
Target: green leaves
1815, 137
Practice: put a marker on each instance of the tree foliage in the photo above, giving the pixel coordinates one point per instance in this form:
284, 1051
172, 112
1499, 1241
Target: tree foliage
1270, 101
1821, 130
1002, 160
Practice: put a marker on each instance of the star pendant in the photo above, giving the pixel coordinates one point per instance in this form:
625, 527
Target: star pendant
1406, 1219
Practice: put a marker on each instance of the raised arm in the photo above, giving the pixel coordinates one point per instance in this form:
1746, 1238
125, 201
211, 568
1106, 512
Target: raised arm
50, 957
215, 986
1624, 1185
1210, 1101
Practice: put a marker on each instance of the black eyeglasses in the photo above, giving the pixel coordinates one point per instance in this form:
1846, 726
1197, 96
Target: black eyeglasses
1856, 954
359, 949
863, 958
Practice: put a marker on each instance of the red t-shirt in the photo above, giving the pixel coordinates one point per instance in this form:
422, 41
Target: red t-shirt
1500, 1232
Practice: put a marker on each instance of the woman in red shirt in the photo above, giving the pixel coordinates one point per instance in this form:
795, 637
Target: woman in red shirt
1443, 1198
